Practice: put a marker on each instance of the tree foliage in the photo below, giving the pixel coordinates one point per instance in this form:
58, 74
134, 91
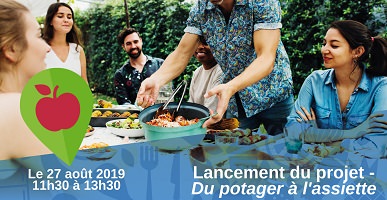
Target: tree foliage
160, 23
305, 23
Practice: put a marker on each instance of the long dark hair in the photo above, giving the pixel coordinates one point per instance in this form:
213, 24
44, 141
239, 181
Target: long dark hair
73, 36
357, 34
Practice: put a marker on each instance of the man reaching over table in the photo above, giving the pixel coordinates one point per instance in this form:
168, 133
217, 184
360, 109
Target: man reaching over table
245, 38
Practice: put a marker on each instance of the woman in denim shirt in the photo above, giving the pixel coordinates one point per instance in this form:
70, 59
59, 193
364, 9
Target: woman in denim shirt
347, 95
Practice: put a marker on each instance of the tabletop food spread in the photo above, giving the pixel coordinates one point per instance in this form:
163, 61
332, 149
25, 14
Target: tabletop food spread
222, 145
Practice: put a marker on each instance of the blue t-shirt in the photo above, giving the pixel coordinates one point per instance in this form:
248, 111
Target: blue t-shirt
233, 48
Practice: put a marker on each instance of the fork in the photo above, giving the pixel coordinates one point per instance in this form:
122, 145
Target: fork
149, 159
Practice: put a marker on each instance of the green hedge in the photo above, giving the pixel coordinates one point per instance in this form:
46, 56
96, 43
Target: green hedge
161, 24
305, 23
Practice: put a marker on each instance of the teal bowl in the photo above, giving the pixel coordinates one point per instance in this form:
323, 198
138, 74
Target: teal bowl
175, 138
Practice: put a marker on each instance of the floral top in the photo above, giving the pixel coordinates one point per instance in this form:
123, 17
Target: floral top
233, 48
127, 80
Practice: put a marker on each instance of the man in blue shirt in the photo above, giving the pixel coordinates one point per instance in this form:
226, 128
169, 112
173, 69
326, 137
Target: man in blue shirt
244, 37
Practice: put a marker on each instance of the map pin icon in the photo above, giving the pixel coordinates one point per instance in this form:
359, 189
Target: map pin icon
56, 105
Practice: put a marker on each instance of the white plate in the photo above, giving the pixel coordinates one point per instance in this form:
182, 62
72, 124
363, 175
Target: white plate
104, 153
118, 108
124, 132
90, 133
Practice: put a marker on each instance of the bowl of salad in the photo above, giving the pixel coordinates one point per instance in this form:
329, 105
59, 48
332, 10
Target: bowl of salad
125, 127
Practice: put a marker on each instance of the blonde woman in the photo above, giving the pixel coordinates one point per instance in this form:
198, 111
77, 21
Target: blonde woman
61, 33
22, 56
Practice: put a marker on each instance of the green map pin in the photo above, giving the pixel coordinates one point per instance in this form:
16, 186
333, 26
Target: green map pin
56, 105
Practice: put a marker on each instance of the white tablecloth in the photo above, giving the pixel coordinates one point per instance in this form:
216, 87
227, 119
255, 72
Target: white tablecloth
101, 134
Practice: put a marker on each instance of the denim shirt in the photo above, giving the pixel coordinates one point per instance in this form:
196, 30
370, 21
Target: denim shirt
233, 48
127, 79
319, 91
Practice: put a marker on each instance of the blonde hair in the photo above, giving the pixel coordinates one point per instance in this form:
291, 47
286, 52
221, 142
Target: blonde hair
12, 31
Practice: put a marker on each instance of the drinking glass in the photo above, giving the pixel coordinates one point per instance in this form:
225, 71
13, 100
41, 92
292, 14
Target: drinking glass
293, 140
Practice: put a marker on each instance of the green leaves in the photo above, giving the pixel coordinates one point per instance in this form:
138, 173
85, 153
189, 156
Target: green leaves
160, 23
305, 24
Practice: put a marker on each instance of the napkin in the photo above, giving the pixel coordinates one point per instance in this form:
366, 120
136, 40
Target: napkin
370, 145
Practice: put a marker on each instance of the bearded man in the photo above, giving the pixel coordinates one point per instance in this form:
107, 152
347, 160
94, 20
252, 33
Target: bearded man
127, 79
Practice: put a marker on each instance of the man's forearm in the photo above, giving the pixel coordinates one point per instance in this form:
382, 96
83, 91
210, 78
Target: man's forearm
172, 67
258, 69
177, 61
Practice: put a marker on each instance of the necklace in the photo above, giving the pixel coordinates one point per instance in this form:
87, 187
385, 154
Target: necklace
357, 82
345, 93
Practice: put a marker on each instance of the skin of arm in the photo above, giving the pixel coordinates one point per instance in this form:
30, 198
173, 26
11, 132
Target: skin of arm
265, 43
17, 139
177, 61
375, 123
172, 67
83, 63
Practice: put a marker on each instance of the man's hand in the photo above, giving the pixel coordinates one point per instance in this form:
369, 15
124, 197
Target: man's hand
223, 93
148, 92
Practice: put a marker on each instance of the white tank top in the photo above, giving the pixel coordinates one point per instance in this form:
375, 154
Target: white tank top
73, 61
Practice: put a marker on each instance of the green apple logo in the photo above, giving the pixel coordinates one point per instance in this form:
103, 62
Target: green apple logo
56, 105
47, 108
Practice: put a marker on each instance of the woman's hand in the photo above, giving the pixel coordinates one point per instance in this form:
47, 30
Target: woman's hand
148, 92
223, 93
307, 117
375, 123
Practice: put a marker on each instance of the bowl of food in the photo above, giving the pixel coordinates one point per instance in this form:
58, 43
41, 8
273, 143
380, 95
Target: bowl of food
89, 131
175, 134
100, 116
128, 127
97, 151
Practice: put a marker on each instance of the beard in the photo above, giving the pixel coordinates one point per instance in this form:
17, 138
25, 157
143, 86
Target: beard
134, 56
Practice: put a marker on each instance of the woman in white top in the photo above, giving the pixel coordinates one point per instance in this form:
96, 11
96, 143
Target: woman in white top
61, 33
